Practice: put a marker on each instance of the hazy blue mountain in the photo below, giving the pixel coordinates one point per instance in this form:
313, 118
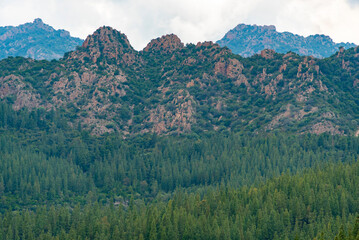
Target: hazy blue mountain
247, 40
36, 40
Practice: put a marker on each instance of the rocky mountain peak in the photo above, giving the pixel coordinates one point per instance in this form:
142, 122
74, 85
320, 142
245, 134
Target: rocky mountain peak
167, 44
38, 21
107, 44
250, 28
255, 27
107, 36
36, 25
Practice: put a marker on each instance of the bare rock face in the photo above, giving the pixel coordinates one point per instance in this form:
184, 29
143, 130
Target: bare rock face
181, 118
326, 127
232, 69
164, 44
22, 94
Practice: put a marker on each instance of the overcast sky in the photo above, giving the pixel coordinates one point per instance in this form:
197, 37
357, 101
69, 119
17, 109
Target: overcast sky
191, 20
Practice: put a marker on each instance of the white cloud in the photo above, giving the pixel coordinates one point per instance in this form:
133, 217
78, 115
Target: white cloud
191, 20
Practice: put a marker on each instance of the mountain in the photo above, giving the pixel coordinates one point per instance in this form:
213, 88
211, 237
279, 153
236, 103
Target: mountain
171, 88
36, 40
178, 142
247, 40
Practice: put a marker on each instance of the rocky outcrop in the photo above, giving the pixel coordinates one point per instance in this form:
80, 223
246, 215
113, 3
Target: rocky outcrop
22, 95
326, 127
165, 44
267, 53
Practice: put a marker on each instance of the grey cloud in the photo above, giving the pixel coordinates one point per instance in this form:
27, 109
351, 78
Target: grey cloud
192, 21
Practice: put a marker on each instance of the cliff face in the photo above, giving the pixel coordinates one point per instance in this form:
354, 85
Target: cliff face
247, 40
170, 88
36, 40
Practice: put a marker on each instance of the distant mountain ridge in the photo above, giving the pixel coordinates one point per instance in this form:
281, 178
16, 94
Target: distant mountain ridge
247, 40
36, 40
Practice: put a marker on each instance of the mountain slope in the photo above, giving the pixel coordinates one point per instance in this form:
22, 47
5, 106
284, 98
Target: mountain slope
168, 87
36, 40
247, 40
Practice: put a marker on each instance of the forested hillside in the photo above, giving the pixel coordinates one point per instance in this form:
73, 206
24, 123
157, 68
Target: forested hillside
170, 88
